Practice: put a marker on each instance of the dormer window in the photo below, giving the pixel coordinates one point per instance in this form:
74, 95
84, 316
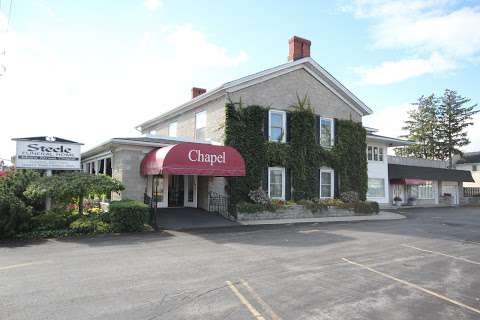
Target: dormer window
277, 124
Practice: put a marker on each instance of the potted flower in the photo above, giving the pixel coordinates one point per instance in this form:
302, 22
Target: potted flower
397, 200
412, 201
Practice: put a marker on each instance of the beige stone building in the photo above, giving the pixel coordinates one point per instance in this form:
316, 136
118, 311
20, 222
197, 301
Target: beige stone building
200, 124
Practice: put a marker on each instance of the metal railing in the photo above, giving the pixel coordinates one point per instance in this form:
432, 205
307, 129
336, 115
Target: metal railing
471, 192
220, 204
147, 200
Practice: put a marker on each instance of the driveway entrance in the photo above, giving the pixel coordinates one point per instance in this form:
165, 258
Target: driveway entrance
190, 218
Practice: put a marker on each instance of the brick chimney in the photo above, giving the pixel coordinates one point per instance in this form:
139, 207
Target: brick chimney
197, 91
298, 48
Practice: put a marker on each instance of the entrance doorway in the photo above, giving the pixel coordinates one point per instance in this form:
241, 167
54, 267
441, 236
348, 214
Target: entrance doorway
190, 191
176, 191
182, 191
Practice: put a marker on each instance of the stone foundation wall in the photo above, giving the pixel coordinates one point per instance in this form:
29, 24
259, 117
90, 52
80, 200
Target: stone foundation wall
294, 212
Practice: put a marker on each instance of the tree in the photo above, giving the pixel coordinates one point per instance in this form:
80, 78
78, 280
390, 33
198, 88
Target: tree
453, 118
422, 127
15, 208
73, 186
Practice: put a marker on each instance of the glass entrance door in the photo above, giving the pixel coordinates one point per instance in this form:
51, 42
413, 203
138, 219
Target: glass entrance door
190, 191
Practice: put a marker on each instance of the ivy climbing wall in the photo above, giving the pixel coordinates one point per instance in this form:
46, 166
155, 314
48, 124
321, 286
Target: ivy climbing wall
302, 155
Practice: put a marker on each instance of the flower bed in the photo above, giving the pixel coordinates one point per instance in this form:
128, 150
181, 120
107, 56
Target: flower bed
263, 208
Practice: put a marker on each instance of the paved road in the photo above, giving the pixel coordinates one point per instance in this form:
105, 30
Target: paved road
423, 267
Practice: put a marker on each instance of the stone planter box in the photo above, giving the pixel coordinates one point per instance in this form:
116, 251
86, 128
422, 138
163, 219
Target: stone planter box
294, 212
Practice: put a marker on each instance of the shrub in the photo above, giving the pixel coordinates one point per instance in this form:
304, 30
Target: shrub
54, 219
82, 225
259, 196
87, 225
247, 207
333, 203
350, 197
366, 207
14, 215
313, 205
128, 215
278, 204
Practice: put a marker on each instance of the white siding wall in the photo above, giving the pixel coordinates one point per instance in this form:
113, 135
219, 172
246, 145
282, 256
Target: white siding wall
379, 170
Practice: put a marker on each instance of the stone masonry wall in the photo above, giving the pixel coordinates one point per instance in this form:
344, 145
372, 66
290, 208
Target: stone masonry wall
281, 92
126, 168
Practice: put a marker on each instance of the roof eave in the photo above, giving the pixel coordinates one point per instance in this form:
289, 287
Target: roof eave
230, 86
393, 142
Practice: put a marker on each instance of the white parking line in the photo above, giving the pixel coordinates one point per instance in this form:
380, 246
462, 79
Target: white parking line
27, 264
412, 285
441, 254
245, 302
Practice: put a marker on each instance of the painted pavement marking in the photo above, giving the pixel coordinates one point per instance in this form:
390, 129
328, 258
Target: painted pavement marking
441, 254
412, 285
245, 302
27, 264
260, 301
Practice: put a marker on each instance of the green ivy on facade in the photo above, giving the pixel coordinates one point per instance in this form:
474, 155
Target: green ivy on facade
302, 156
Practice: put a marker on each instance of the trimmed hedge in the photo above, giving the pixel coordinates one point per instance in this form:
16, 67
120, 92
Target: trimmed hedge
53, 219
14, 216
128, 215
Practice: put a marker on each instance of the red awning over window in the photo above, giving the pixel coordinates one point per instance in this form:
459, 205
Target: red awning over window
410, 182
194, 159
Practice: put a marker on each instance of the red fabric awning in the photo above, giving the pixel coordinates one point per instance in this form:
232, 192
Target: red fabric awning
410, 182
194, 159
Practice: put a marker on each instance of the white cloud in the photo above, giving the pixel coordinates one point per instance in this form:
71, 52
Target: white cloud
474, 134
422, 29
389, 120
395, 71
152, 5
44, 92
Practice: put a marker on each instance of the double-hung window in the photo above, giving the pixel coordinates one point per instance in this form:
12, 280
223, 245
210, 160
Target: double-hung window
326, 132
276, 183
326, 183
375, 153
201, 125
172, 129
277, 125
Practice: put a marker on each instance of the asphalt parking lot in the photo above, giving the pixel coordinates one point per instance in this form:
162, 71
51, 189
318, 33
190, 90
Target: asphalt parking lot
424, 267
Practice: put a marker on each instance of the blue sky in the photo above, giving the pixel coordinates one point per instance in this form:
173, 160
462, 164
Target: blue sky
92, 70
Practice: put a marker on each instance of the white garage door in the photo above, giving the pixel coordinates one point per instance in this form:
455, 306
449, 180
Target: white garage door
451, 188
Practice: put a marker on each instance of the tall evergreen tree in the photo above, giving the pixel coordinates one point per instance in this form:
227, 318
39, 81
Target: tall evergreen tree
453, 119
422, 127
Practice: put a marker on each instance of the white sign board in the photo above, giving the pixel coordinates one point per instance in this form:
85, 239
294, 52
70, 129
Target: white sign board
47, 155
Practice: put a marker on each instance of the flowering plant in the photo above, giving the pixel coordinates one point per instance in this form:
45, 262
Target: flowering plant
259, 196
